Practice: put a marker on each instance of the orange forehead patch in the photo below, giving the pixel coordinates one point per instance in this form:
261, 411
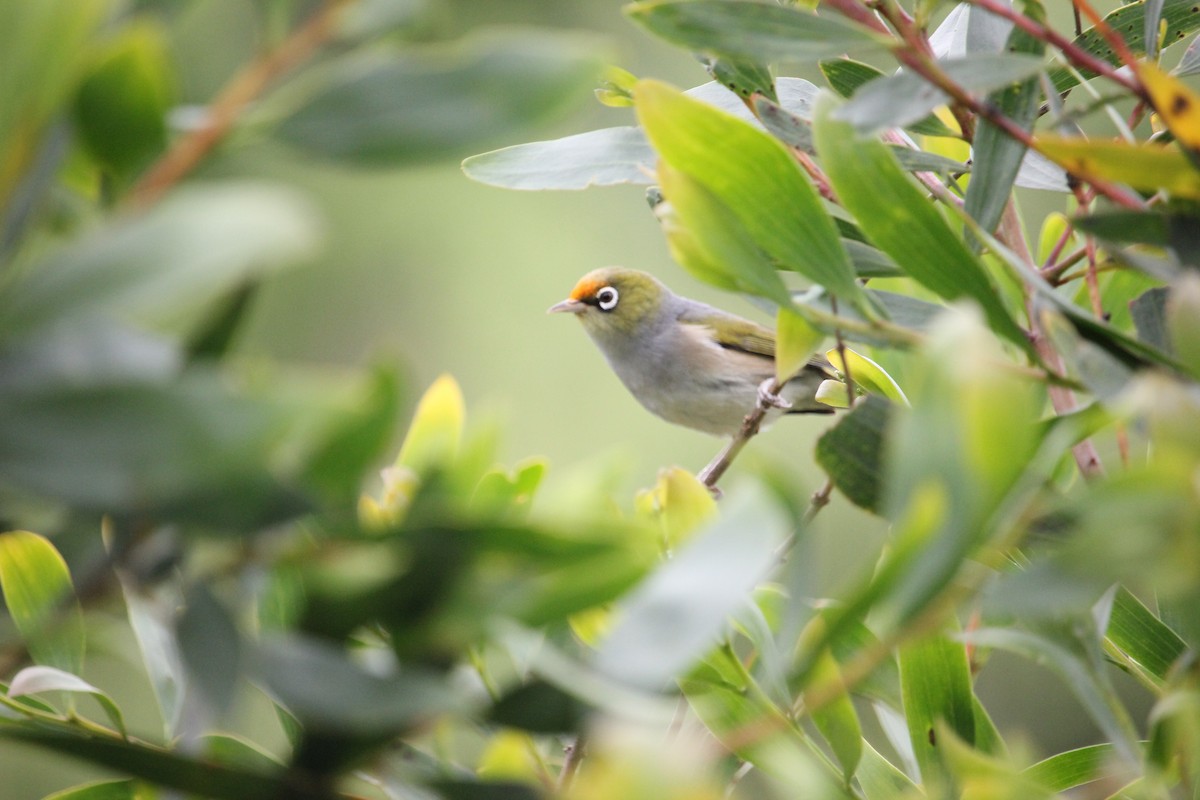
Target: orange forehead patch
587, 287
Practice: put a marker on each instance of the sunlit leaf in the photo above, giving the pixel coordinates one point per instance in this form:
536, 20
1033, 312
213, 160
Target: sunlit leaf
436, 430
1177, 105
755, 177
41, 599
867, 375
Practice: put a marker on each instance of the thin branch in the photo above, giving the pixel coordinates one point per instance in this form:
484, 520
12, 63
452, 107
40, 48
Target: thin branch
574, 753
1081, 58
242, 89
750, 426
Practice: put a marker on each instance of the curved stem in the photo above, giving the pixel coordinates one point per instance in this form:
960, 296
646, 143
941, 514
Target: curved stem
242, 89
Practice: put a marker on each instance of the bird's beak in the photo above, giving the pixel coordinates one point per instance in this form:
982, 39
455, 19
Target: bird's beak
573, 306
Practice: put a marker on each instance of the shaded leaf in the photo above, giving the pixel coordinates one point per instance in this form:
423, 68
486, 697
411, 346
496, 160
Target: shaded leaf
846, 76
211, 649
381, 106
539, 707
191, 247
100, 790
900, 100
751, 31
851, 452
677, 614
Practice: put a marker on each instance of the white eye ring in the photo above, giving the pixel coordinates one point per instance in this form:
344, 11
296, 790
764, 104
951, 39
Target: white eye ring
606, 298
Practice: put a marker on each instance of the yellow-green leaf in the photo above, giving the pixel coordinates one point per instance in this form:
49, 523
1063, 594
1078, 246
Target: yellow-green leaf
436, 431
1178, 105
768, 197
1148, 167
41, 599
866, 374
795, 341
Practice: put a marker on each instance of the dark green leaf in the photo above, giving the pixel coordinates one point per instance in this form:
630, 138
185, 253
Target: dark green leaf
743, 78
185, 450
385, 106
605, 157
481, 790
168, 768
211, 649
331, 694
851, 452
752, 31
539, 707
120, 111
190, 248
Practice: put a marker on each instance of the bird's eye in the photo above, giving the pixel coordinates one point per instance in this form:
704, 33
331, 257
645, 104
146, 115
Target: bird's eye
606, 298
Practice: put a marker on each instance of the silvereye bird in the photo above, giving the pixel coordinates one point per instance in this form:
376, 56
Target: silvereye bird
685, 361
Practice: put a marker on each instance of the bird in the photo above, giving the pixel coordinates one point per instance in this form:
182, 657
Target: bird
685, 361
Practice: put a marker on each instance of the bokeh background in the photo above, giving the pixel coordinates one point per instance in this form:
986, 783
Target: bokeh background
426, 270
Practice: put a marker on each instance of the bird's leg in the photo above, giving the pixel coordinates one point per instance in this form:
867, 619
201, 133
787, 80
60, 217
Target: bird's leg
767, 397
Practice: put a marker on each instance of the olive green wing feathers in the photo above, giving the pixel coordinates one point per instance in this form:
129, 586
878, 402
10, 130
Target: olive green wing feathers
735, 333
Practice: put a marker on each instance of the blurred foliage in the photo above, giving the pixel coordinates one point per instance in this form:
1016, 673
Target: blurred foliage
1027, 429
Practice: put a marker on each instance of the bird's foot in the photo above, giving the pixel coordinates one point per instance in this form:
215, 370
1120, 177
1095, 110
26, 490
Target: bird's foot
767, 399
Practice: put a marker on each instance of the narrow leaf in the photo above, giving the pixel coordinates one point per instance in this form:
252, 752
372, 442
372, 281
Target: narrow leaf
936, 682
898, 219
41, 599
752, 31
1064, 771
900, 100
100, 790
38, 679
1177, 104
755, 177
605, 157
1143, 636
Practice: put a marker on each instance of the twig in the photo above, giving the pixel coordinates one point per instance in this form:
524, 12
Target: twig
750, 425
1073, 53
819, 499
241, 90
574, 753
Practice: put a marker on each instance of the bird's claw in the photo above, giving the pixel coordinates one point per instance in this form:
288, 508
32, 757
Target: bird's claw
767, 399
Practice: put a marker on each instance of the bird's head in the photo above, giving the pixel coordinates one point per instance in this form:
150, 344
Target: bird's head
614, 303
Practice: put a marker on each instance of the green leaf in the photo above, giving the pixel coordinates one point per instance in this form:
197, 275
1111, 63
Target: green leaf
168, 768
997, 156
896, 217
1129, 20
743, 78
159, 267
1064, 771
678, 613
880, 779
1144, 637
484, 790
846, 76
606, 157
329, 693
149, 612
1082, 673
851, 452
211, 650
41, 599
100, 790
899, 100
386, 106
121, 108
183, 450
44, 50
706, 238
539, 707
755, 177
752, 31
356, 439
935, 679
837, 720
38, 679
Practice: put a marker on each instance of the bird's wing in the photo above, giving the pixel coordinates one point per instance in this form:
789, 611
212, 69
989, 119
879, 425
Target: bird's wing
732, 333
